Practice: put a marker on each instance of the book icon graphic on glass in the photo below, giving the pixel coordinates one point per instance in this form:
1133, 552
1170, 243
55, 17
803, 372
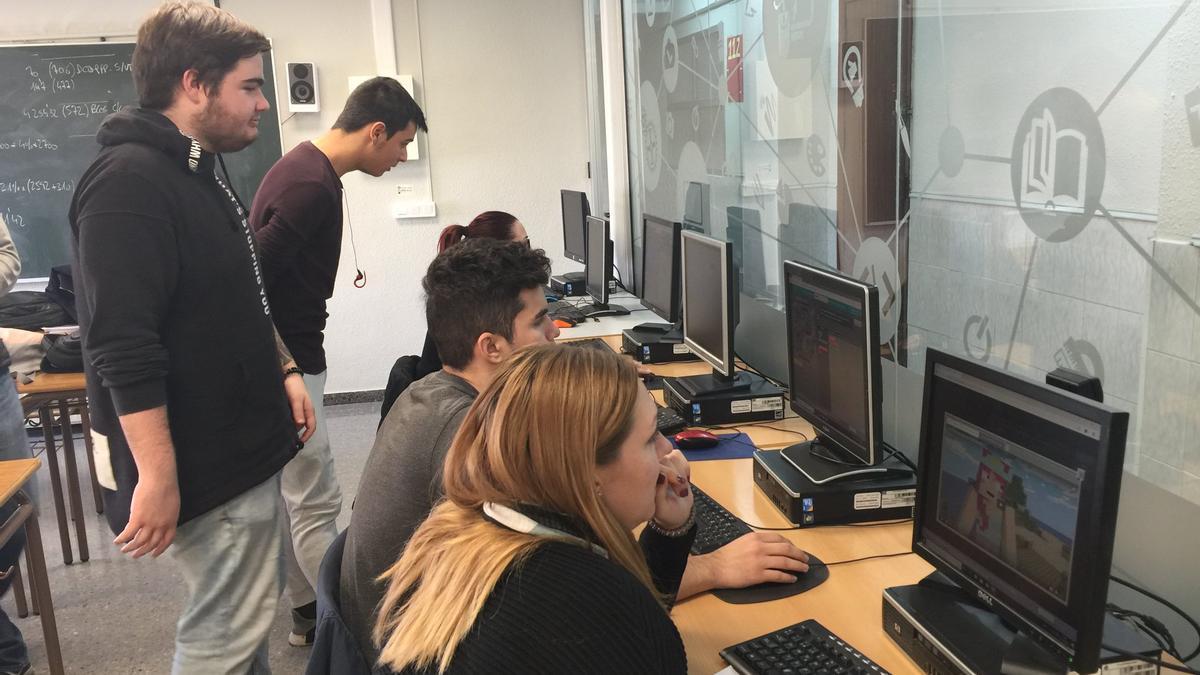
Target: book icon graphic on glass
1058, 165
1054, 170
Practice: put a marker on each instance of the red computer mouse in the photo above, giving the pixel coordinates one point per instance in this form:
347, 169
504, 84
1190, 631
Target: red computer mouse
695, 439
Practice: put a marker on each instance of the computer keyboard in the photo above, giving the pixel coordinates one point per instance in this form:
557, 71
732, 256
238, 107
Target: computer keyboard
670, 422
560, 309
803, 648
716, 525
589, 343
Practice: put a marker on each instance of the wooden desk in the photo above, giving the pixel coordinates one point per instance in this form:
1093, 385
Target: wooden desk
13, 476
849, 603
63, 392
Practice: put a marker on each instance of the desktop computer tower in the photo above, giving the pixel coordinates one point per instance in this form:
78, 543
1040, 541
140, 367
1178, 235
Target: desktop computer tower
942, 631
654, 347
569, 285
807, 504
760, 401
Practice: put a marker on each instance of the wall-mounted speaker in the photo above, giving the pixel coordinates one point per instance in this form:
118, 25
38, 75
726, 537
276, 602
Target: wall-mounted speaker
302, 87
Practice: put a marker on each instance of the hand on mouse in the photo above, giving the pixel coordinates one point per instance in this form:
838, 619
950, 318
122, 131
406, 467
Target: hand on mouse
751, 559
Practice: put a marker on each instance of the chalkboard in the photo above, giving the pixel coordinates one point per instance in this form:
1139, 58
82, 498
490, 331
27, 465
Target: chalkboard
52, 101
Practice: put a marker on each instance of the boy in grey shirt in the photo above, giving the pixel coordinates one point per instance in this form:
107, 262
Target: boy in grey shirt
483, 300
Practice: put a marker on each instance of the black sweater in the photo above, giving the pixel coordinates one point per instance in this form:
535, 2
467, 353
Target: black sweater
297, 220
172, 312
567, 609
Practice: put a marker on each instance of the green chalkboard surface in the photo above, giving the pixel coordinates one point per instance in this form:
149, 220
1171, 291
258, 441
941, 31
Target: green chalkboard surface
52, 100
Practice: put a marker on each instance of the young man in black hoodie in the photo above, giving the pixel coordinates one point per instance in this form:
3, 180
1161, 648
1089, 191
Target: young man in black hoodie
195, 400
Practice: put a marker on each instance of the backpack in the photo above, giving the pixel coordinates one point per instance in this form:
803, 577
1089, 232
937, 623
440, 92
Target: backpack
31, 310
64, 354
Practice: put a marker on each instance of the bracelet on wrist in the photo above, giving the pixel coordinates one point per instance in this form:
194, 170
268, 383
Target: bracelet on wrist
293, 371
677, 532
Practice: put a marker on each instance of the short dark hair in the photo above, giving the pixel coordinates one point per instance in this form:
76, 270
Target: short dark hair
182, 36
473, 288
380, 99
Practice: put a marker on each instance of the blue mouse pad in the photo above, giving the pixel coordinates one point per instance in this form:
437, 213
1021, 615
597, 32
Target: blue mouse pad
731, 446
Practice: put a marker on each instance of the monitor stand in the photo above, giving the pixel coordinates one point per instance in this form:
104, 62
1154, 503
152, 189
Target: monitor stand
598, 310
822, 462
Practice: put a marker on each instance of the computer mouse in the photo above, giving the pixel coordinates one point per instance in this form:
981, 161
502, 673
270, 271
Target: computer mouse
695, 439
564, 323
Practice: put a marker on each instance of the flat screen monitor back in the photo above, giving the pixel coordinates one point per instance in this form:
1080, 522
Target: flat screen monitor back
696, 208
574, 211
660, 267
599, 260
744, 229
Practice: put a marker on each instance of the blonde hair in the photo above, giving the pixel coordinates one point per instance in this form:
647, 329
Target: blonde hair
529, 438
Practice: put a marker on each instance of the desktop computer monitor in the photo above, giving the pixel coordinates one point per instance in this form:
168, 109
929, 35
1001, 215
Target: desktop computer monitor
834, 368
598, 265
598, 260
708, 319
744, 228
574, 211
660, 267
1017, 499
695, 207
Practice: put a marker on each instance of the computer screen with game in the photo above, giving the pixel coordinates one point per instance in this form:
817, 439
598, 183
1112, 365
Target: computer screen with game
660, 267
833, 357
574, 211
1017, 499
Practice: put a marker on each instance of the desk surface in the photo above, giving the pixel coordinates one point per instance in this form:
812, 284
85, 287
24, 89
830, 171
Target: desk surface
611, 325
13, 475
53, 383
849, 603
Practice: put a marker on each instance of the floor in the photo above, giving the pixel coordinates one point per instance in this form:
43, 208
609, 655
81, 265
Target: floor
117, 615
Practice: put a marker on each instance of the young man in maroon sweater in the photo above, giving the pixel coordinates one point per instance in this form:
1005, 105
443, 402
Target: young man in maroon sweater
297, 220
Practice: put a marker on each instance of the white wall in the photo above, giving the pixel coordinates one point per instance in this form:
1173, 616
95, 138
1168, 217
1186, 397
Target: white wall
65, 19
504, 91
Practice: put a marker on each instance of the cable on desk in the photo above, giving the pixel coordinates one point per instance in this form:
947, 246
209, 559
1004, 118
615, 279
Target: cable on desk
738, 428
797, 527
1169, 605
1147, 625
869, 557
898, 455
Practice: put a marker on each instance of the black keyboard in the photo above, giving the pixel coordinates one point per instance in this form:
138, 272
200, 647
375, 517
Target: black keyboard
670, 422
716, 525
804, 648
566, 311
589, 343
